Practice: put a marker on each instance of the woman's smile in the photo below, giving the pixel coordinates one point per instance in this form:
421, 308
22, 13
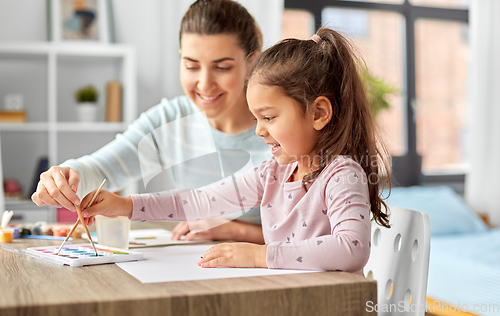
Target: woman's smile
209, 99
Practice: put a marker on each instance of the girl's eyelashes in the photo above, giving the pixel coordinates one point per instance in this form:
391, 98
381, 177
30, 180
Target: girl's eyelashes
267, 118
223, 68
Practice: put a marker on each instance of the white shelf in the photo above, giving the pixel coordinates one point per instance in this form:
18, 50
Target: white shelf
91, 127
65, 49
18, 202
64, 127
24, 127
46, 74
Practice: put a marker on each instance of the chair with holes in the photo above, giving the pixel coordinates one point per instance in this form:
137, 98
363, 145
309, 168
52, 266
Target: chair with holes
399, 262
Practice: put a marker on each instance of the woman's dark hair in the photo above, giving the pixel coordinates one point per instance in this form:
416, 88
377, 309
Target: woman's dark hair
327, 66
213, 17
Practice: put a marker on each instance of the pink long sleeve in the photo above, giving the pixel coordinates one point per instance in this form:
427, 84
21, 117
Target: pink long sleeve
333, 232
325, 228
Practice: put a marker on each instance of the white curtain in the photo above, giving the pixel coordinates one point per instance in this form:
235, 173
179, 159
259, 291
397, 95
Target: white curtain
152, 26
482, 186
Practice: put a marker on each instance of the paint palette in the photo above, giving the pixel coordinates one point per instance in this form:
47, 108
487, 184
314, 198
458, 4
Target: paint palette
83, 254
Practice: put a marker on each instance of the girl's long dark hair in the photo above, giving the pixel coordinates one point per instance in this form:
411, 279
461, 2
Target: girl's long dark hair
307, 69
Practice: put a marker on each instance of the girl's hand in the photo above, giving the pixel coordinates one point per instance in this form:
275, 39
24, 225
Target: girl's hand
57, 187
107, 204
235, 255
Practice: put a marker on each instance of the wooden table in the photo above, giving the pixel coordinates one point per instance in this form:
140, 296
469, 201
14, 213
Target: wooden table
31, 286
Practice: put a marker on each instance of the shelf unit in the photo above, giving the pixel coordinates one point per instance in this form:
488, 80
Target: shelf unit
47, 74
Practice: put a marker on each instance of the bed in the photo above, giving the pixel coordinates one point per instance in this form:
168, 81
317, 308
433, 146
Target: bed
464, 266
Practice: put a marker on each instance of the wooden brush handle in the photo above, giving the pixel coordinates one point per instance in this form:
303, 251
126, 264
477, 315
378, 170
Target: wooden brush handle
83, 222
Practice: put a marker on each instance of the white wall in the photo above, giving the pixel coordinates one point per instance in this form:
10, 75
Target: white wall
23, 20
152, 26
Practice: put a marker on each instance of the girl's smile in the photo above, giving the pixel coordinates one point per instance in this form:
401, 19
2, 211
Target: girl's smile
275, 148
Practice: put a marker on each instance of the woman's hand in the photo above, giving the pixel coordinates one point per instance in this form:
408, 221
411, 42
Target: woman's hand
210, 229
229, 230
57, 187
107, 204
235, 255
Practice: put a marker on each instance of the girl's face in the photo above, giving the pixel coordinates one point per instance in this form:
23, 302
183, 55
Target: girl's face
213, 73
282, 125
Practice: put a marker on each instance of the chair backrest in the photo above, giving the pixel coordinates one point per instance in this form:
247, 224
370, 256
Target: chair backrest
399, 261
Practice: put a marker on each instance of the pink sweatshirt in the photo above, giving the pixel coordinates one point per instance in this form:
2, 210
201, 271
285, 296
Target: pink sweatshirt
325, 228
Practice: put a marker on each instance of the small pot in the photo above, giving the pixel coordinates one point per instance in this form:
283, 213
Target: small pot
87, 111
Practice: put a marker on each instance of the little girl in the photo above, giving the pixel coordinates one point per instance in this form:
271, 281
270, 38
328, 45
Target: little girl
320, 189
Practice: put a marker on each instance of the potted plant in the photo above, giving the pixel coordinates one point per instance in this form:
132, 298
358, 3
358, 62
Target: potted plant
86, 98
377, 90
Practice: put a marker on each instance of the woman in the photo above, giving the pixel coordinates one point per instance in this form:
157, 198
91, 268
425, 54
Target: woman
219, 41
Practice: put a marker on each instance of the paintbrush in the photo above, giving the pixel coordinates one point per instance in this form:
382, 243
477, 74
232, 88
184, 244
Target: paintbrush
7, 215
85, 226
80, 219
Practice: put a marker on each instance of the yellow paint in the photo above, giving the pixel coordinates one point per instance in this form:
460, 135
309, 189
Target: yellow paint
6, 235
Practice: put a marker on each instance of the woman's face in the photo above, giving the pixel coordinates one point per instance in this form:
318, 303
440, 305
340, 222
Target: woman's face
213, 73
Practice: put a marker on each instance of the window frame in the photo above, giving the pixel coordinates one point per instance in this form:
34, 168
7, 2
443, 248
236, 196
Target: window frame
410, 14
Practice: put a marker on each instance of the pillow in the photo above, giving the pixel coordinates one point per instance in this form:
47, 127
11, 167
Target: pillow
448, 214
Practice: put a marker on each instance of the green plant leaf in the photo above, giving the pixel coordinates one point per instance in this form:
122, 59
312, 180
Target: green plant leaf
86, 94
377, 90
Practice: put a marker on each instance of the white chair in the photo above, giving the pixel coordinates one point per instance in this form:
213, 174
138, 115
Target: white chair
399, 262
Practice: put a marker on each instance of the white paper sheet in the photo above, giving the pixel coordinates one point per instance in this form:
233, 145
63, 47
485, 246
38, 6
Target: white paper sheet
160, 237
179, 263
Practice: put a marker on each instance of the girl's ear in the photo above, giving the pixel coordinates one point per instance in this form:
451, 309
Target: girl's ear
322, 112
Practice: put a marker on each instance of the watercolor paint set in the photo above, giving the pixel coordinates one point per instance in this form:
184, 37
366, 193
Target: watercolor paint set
83, 254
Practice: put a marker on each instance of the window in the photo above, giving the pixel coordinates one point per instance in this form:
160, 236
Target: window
351, 22
297, 24
442, 3
420, 46
440, 59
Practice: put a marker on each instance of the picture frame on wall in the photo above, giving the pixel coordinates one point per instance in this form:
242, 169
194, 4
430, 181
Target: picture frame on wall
80, 21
